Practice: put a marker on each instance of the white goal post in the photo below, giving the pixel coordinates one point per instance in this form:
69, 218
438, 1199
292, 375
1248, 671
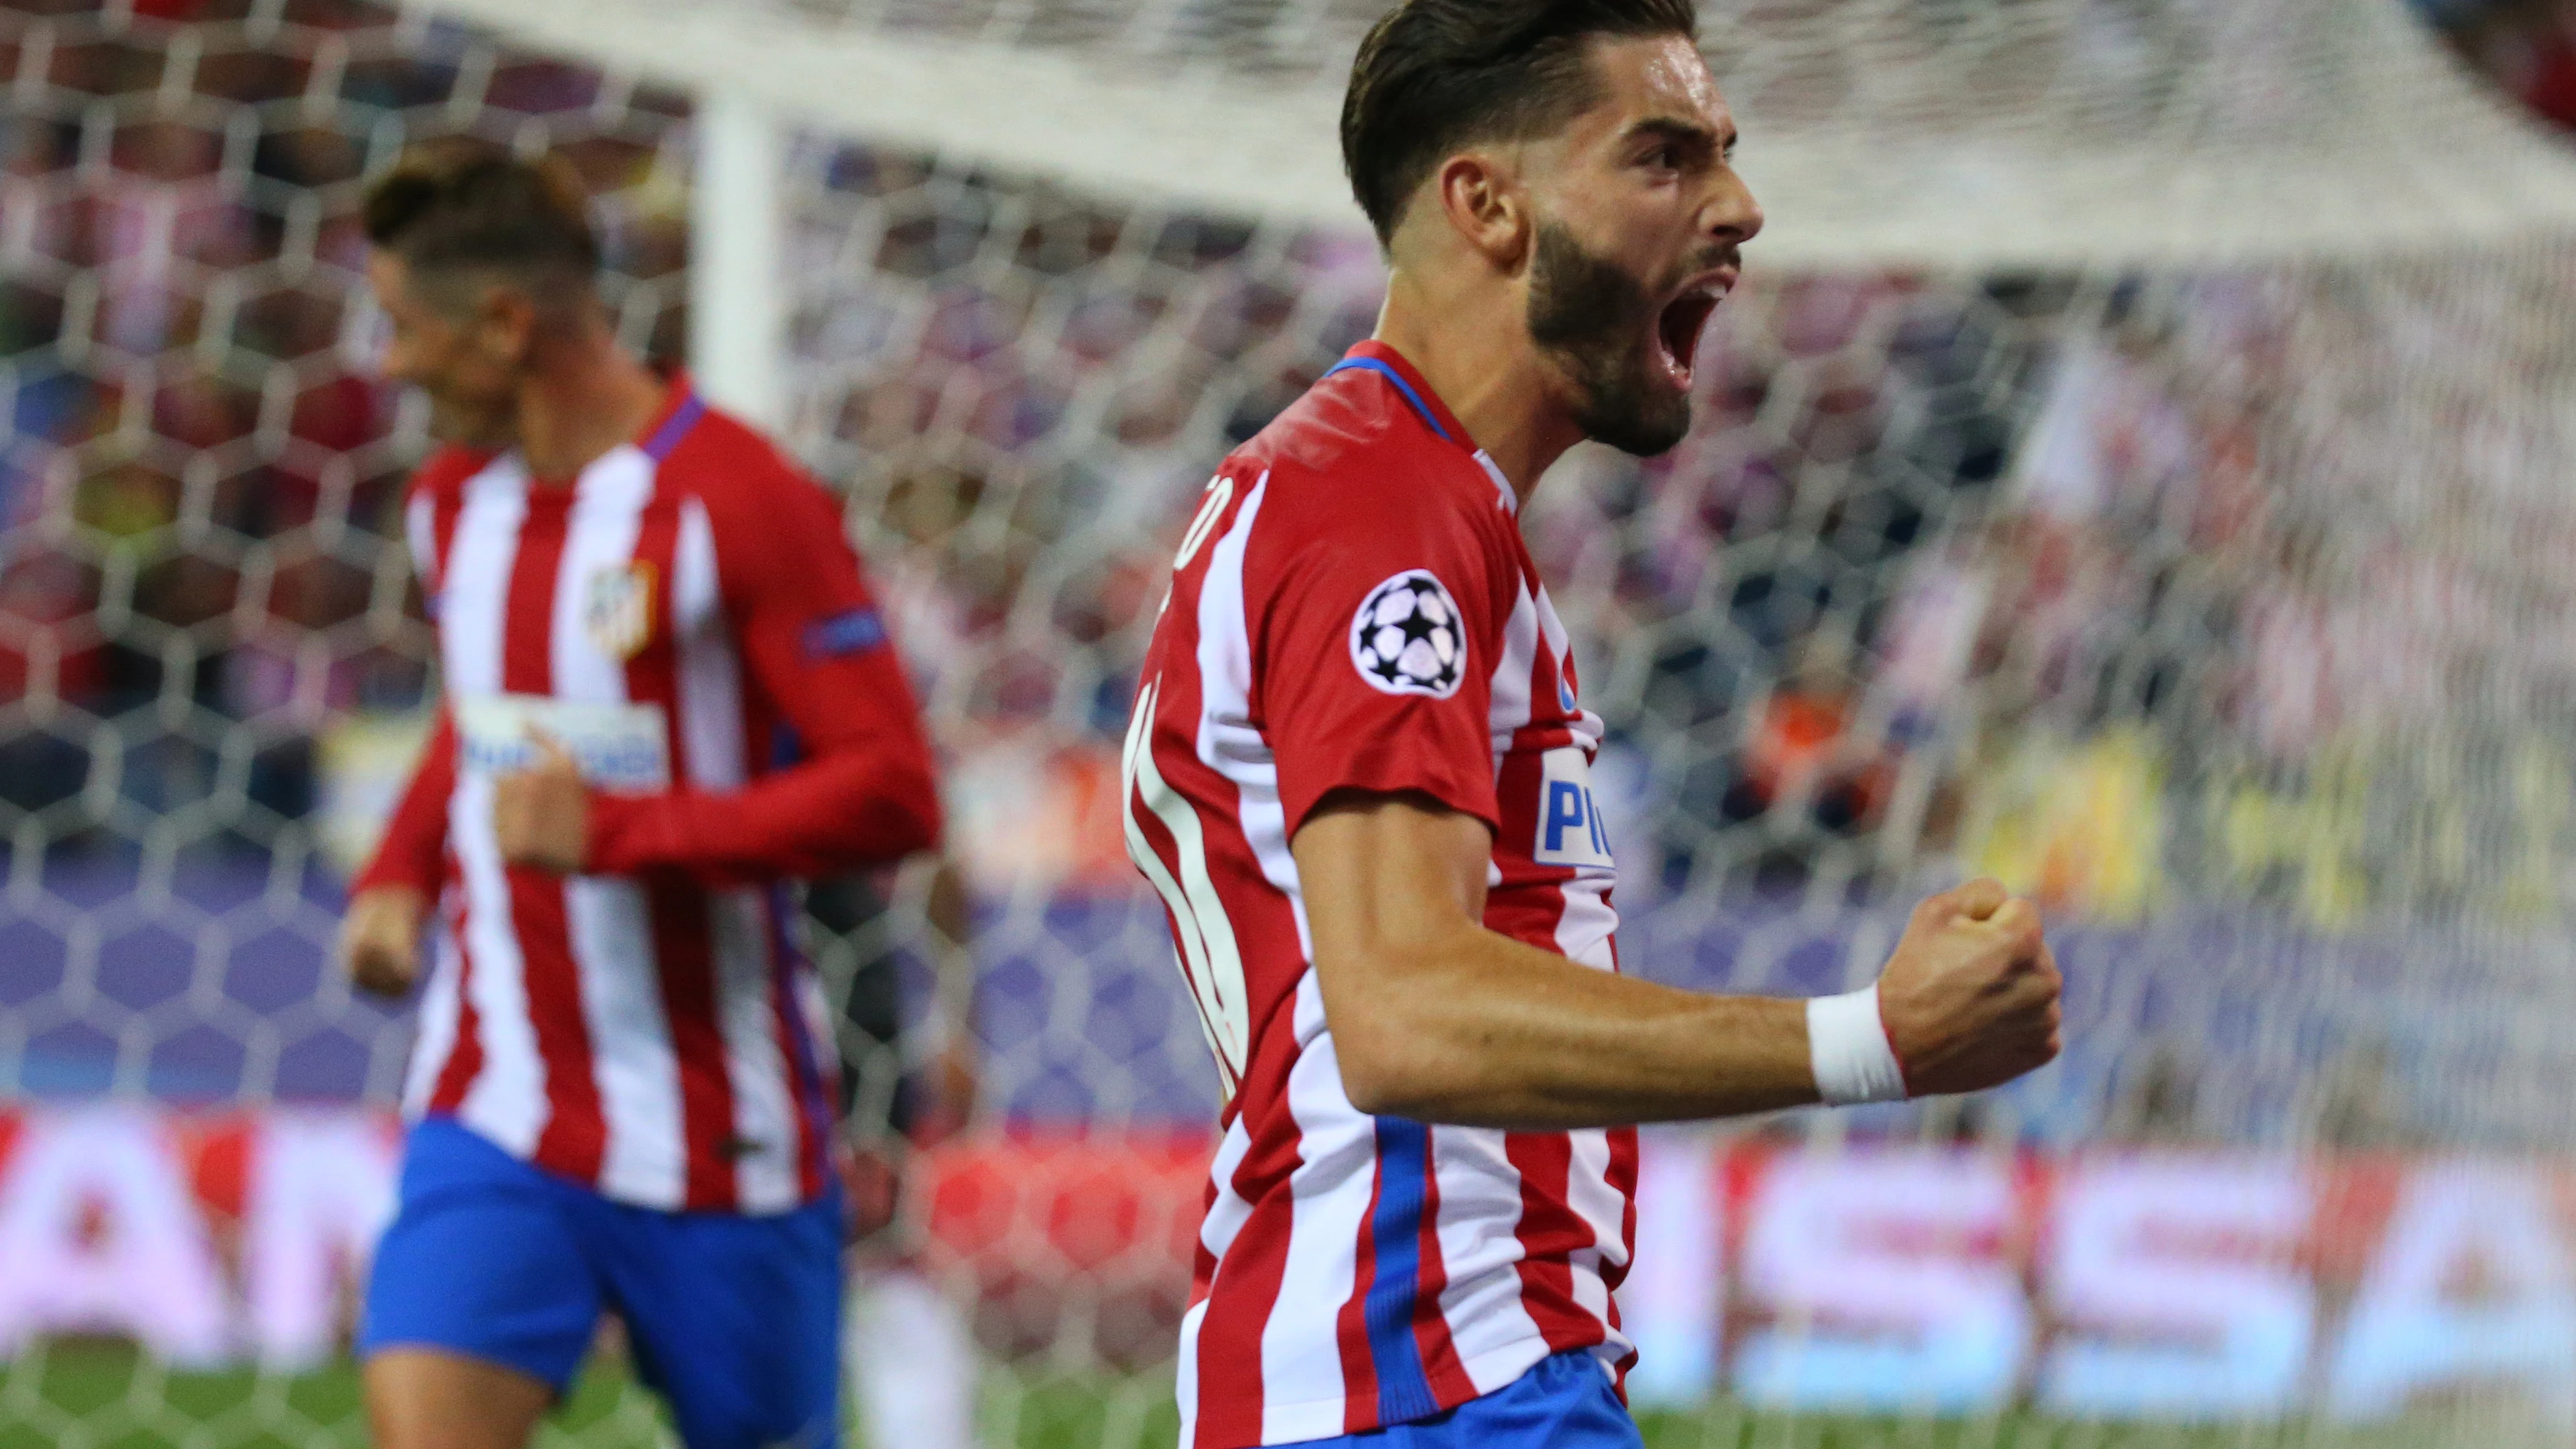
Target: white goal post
737, 286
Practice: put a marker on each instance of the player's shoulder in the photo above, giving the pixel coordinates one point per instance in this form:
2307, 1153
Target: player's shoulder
741, 474
1355, 459
715, 446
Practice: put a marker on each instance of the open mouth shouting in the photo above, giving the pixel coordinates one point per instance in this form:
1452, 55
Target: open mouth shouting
1682, 319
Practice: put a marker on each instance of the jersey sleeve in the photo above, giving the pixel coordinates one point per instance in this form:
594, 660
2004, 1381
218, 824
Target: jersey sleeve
413, 850
1377, 659
816, 648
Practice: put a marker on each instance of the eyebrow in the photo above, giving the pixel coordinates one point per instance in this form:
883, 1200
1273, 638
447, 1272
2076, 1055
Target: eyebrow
1689, 135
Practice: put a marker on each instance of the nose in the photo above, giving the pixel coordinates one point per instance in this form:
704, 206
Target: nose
1732, 215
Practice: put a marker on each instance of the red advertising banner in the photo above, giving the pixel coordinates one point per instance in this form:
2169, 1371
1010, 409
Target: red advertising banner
2218, 1284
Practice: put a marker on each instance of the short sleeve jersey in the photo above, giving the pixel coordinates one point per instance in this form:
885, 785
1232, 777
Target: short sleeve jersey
1353, 609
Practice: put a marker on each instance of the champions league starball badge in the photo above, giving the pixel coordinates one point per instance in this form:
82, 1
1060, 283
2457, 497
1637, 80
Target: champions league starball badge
1408, 639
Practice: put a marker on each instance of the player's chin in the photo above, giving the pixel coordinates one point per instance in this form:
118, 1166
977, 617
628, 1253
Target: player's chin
467, 426
449, 423
1646, 417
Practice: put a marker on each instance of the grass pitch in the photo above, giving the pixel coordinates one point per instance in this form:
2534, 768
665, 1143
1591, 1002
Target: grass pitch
103, 1396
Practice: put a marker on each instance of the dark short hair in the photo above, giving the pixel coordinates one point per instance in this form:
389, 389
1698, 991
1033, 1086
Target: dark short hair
463, 204
1436, 75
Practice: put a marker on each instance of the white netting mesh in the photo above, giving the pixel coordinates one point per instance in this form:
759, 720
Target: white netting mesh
2031, 132
2136, 464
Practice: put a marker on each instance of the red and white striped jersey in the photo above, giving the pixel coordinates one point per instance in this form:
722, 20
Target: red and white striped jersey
1353, 608
688, 617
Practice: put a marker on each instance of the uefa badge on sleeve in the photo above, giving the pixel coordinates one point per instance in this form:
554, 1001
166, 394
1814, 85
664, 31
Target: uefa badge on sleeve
1408, 639
617, 609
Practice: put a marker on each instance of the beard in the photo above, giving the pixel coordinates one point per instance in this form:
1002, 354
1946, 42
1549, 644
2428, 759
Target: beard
1594, 319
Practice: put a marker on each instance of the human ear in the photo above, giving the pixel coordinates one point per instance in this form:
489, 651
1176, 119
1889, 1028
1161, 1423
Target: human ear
1484, 203
505, 323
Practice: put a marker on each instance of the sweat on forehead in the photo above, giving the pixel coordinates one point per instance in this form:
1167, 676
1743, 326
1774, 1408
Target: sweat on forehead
1437, 75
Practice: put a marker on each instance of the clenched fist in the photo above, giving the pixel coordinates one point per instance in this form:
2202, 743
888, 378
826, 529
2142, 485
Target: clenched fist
1969, 998
541, 815
380, 939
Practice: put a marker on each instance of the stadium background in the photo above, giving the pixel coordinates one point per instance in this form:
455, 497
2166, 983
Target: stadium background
2208, 582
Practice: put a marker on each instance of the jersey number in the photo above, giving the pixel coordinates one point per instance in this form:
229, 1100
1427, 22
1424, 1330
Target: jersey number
1219, 493
1210, 960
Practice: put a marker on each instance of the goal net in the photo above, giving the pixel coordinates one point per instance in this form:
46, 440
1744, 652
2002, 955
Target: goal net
2140, 464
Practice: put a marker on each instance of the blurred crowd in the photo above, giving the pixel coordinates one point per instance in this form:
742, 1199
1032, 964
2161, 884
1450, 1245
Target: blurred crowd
200, 483
2117, 586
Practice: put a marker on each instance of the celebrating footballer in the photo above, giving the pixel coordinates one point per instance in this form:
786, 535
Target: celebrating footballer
1357, 767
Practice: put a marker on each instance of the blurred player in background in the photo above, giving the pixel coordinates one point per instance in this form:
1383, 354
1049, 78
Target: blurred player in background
1357, 775
667, 690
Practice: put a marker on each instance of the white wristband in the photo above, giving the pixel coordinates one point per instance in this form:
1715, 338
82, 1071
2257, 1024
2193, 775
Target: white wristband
1847, 1047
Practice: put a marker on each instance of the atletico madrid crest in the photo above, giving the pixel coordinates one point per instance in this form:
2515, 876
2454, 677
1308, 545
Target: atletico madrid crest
617, 609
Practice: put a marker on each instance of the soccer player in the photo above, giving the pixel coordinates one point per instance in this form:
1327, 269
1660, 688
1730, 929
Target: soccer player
667, 690
1357, 776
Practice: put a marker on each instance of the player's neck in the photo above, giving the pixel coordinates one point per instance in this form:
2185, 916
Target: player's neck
588, 396
1477, 355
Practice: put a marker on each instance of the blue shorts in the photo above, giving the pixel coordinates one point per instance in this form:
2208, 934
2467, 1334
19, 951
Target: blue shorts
736, 1320
1564, 1402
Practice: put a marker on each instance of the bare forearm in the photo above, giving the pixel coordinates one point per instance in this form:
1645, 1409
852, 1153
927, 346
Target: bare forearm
1436, 1018
1483, 1031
